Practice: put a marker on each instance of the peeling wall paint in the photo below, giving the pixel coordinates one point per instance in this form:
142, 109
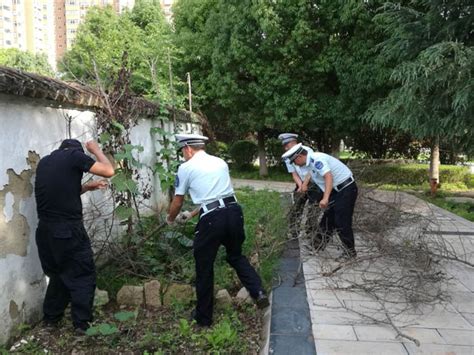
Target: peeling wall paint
30, 130
14, 228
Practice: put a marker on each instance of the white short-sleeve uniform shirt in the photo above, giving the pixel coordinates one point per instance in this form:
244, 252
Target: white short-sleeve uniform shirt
321, 163
205, 177
302, 171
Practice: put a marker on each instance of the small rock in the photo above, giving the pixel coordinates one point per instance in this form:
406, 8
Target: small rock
152, 294
243, 296
223, 297
23, 341
178, 292
101, 298
255, 260
130, 295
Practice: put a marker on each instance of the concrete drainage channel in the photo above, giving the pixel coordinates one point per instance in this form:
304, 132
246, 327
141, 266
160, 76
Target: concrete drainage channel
287, 322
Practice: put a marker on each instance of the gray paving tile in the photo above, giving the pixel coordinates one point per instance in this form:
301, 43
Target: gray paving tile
333, 332
386, 333
339, 347
440, 319
458, 337
288, 279
469, 317
463, 301
290, 321
438, 349
289, 264
289, 297
283, 345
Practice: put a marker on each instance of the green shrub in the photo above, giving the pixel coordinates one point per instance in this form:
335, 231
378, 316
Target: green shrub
219, 149
407, 174
243, 153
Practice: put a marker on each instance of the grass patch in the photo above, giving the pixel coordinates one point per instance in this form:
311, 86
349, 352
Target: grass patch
462, 209
275, 173
412, 175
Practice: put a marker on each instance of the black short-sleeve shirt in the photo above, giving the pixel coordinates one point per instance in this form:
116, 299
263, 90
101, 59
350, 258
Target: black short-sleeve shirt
58, 185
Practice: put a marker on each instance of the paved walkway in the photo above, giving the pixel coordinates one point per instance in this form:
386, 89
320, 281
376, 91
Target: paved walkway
441, 329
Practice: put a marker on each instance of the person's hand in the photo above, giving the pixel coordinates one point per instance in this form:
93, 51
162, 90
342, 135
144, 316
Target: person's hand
97, 185
92, 147
300, 187
304, 188
169, 222
183, 217
324, 203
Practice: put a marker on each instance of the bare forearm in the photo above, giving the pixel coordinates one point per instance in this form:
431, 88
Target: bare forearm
328, 184
175, 207
296, 179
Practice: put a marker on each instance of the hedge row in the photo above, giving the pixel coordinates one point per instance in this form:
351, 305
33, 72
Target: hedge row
409, 174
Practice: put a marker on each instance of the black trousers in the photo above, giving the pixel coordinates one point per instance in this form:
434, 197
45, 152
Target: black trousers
338, 217
66, 257
223, 226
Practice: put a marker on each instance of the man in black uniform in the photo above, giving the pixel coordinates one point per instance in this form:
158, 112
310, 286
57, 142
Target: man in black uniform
221, 222
64, 248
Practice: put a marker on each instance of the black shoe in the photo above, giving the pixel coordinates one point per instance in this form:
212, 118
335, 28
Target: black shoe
198, 324
262, 300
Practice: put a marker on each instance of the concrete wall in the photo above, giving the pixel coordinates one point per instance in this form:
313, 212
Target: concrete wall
30, 130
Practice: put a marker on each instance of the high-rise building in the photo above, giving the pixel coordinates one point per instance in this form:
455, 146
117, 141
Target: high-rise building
47, 26
166, 5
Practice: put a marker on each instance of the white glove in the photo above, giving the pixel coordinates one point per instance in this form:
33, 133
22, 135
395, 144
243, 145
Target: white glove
183, 217
168, 222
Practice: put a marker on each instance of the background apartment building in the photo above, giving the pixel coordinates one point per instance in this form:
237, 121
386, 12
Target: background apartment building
50, 26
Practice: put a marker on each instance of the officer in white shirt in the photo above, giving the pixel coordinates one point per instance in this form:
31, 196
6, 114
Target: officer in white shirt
221, 222
339, 194
299, 174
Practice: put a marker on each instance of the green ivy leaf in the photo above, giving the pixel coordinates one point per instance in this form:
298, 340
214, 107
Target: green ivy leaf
123, 183
124, 316
104, 138
123, 212
107, 329
115, 124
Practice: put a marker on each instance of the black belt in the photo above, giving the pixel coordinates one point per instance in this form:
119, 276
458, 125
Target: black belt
213, 205
344, 184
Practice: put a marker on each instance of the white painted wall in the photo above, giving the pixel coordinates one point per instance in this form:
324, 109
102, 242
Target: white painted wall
29, 125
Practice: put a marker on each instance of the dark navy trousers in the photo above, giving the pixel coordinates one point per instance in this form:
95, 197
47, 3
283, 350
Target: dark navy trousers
223, 226
66, 257
338, 217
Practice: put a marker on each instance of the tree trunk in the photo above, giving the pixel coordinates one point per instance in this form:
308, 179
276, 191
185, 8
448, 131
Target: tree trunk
335, 147
262, 156
434, 166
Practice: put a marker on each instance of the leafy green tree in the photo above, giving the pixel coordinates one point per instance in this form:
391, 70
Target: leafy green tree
431, 43
105, 36
264, 67
23, 60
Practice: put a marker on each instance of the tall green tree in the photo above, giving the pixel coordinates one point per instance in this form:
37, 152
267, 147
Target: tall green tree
431, 44
306, 66
142, 33
23, 60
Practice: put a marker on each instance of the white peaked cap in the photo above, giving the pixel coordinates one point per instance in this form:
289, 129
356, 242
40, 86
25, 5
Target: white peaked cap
190, 139
293, 152
287, 137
